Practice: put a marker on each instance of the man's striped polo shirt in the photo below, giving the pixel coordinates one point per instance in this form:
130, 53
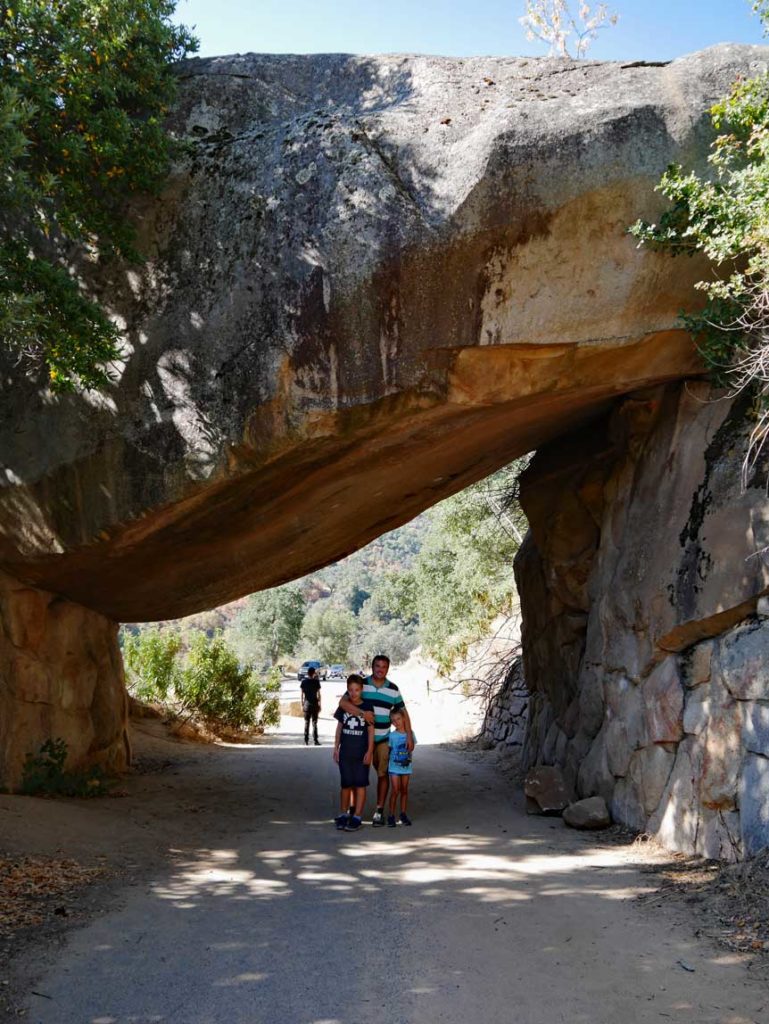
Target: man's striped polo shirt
385, 698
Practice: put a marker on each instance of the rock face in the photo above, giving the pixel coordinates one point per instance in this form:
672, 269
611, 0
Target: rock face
641, 642
507, 716
589, 813
374, 281
546, 792
62, 677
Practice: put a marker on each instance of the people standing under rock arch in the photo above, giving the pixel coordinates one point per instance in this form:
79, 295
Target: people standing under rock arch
385, 697
310, 687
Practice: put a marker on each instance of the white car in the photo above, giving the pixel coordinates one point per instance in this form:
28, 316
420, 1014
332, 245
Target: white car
336, 672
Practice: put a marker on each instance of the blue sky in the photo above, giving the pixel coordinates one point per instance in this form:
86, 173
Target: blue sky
648, 29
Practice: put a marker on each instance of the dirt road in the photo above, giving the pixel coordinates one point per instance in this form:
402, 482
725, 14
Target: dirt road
478, 912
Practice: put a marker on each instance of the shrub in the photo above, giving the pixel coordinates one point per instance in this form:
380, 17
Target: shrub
208, 682
44, 774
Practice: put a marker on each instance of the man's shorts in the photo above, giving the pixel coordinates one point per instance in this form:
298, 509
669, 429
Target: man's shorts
381, 758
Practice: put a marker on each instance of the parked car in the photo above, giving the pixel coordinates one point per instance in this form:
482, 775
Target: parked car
320, 670
336, 672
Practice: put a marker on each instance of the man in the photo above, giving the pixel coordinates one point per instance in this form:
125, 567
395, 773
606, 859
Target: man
386, 697
310, 687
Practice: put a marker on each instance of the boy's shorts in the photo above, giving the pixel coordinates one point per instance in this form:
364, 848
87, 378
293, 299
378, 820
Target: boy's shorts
353, 774
381, 758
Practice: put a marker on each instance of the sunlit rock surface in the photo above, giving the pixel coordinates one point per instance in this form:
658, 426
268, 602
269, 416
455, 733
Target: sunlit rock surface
647, 661
373, 281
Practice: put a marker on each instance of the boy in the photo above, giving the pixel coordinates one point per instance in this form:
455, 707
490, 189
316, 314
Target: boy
385, 697
353, 749
399, 767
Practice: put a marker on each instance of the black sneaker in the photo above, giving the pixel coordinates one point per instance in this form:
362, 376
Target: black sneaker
378, 820
391, 821
353, 823
405, 819
317, 743
341, 822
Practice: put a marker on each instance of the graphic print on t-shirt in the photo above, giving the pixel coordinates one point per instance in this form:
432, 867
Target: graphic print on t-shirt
353, 742
400, 755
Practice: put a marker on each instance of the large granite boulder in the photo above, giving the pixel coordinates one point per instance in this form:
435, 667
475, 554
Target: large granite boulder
371, 282
642, 641
374, 280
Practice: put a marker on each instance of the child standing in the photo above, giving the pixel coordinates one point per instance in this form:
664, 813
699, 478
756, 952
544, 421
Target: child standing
399, 768
353, 750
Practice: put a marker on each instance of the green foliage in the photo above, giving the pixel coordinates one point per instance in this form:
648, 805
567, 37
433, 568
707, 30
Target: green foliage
463, 575
373, 636
353, 579
44, 774
215, 688
725, 216
151, 661
201, 676
269, 626
84, 89
328, 631
395, 598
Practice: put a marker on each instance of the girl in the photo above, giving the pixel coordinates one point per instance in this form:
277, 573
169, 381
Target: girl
399, 767
353, 748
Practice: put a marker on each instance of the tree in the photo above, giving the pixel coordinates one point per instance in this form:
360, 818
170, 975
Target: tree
376, 637
84, 89
205, 681
394, 597
151, 659
725, 216
327, 632
270, 625
464, 575
553, 23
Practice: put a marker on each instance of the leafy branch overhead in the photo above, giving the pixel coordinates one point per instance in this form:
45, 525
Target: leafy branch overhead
565, 33
84, 89
725, 216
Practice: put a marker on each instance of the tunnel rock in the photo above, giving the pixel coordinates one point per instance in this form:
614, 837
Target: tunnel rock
649, 655
370, 282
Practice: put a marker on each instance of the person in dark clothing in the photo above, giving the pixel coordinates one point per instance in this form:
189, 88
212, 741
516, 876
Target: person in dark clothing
353, 749
310, 688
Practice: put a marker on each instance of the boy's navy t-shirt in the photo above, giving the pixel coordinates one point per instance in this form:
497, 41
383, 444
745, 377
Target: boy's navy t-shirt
353, 742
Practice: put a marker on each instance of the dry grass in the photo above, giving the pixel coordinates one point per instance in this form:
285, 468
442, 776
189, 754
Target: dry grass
36, 889
730, 901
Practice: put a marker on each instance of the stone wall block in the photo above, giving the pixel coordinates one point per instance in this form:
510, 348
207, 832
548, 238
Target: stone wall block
742, 661
663, 699
626, 806
649, 772
755, 736
676, 821
618, 747
591, 703
719, 836
595, 777
754, 804
721, 756
698, 667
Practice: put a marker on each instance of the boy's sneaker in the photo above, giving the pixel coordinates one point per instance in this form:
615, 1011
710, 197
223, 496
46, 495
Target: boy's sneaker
341, 821
353, 823
391, 821
405, 819
378, 820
